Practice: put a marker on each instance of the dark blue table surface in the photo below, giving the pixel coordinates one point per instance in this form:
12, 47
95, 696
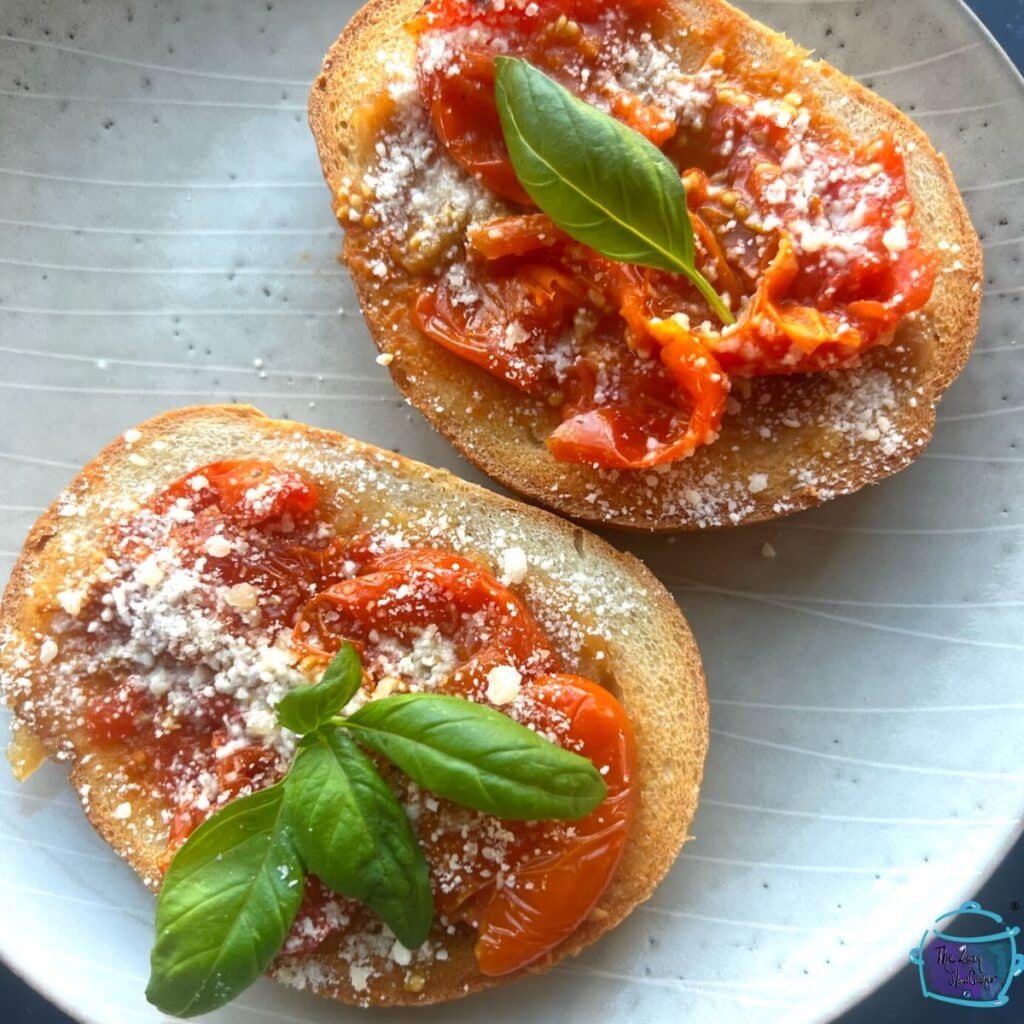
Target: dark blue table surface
899, 1000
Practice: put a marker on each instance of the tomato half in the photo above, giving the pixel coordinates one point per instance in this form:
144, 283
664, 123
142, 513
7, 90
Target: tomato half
248, 491
465, 116
462, 105
265, 524
503, 326
410, 590
551, 897
639, 436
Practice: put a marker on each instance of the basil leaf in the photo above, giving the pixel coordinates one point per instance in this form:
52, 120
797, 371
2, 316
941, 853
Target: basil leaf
227, 903
478, 757
306, 708
597, 179
354, 835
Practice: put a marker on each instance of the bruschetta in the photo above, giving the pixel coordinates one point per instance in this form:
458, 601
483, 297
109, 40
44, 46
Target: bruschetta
212, 561
832, 279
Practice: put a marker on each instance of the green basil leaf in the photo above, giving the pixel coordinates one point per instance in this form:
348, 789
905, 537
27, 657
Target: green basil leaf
478, 757
306, 708
597, 179
354, 835
227, 903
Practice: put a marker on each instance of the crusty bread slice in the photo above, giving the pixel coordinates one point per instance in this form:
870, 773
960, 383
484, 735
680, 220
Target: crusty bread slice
576, 585
793, 442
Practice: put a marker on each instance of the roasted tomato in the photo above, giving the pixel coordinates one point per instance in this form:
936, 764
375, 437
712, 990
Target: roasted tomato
465, 117
504, 321
247, 491
554, 894
411, 590
462, 106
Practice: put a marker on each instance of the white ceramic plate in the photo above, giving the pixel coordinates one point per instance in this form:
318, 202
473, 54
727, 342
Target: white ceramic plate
163, 226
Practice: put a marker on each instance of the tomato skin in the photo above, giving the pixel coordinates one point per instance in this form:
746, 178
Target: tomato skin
553, 896
425, 587
515, 236
539, 299
465, 117
249, 492
115, 715
609, 436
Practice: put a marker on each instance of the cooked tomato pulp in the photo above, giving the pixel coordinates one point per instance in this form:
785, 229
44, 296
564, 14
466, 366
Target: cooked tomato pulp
806, 234
252, 533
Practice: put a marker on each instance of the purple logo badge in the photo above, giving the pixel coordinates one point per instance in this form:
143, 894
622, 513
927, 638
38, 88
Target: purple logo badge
973, 965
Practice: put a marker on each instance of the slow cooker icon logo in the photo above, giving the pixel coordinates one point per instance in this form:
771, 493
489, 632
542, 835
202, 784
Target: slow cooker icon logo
974, 967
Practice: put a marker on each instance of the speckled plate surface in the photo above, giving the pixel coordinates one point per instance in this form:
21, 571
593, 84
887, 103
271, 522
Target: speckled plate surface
165, 239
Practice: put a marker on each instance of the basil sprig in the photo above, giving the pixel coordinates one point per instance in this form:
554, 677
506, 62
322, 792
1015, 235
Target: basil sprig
597, 179
233, 889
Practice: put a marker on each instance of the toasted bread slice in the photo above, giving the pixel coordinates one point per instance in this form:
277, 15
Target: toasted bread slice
792, 442
576, 585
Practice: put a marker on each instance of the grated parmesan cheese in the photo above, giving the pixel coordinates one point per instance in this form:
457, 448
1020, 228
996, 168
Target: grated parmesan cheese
514, 566
503, 683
